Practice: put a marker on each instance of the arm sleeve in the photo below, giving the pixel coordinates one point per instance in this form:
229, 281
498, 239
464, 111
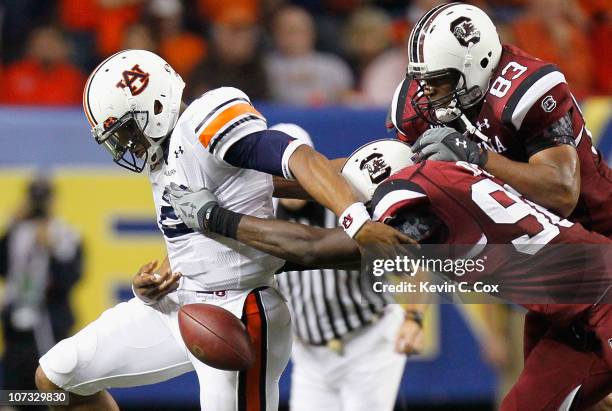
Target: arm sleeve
267, 151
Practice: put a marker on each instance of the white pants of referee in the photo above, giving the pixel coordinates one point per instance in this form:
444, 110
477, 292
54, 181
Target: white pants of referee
365, 377
134, 344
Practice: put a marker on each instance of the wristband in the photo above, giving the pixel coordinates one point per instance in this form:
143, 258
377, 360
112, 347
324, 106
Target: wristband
223, 221
353, 218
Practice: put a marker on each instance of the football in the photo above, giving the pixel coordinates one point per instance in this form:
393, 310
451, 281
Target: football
216, 337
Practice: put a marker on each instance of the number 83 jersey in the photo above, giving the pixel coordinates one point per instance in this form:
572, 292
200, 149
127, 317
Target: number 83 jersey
202, 136
528, 108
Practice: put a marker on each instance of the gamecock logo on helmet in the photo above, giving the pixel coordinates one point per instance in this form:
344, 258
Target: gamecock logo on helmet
465, 31
136, 79
377, 168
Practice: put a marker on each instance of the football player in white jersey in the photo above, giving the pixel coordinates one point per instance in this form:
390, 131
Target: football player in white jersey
221, 142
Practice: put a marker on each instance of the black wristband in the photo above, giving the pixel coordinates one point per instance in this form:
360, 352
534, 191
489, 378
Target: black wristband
224, 222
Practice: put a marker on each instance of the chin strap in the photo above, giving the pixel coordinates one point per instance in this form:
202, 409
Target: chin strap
130, 98
448, 113
467, 61
472, 129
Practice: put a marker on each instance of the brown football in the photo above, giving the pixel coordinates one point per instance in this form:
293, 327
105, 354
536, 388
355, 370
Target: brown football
216, 337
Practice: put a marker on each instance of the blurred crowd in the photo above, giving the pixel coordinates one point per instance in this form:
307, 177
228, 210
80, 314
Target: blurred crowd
299, 52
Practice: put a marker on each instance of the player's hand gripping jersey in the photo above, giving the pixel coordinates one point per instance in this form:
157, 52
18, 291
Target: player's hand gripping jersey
470, 207
204, 133
528, 108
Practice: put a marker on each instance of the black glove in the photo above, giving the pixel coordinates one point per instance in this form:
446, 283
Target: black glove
447, 144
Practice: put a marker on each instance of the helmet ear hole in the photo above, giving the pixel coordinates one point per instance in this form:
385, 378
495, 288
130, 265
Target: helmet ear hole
484, 62
158, 107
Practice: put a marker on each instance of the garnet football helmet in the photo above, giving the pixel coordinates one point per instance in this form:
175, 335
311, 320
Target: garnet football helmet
132, 101
456, 45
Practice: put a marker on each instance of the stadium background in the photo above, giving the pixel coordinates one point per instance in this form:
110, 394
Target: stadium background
113, 209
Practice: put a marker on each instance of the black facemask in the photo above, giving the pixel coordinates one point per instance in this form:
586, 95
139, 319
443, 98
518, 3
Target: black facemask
123, 138
459, 98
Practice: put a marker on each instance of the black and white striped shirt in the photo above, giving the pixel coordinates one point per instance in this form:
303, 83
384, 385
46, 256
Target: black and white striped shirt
326, 304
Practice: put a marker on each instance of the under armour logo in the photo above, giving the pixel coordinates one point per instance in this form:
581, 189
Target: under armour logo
484, 124
179, 151
459, 142
347, 221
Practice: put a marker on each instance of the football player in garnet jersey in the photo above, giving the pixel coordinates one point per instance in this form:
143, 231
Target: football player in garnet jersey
459, 203
506, 111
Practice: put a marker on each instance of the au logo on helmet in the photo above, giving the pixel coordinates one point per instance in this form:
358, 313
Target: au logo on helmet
465, 31
136, 79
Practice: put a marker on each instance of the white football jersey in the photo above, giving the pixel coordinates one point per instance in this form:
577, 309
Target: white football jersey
202, 136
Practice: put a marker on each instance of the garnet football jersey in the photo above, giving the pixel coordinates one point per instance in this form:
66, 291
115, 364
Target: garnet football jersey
528, 108
481, 211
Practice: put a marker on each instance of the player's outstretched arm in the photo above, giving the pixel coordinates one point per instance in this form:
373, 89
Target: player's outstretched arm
318, 176
284, 188
298, 243
279, 154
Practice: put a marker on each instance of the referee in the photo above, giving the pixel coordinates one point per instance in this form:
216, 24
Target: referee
350, 343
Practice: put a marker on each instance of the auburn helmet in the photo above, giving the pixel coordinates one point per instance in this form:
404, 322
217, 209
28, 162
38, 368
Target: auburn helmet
132, 101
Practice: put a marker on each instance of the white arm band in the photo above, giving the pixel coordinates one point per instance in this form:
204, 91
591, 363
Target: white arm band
353, 218
286, 155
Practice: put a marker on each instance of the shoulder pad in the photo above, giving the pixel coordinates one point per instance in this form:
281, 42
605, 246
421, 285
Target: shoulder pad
222, 114
531, 89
